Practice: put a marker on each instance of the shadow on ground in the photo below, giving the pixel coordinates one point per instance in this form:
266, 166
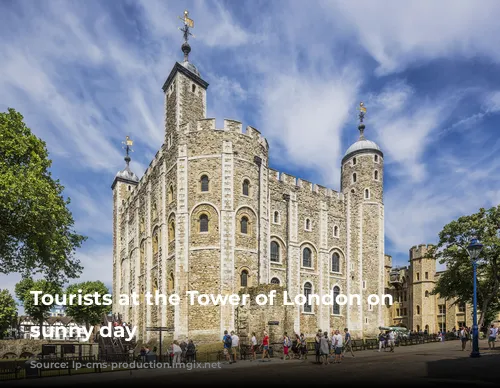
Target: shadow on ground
485, 369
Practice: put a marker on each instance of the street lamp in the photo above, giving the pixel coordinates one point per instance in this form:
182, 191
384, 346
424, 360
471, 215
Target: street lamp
474, 250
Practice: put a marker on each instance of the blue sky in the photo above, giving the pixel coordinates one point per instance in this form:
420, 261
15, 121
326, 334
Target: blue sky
87, 73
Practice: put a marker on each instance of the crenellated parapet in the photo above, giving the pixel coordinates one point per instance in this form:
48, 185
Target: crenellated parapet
421, 251
235, 126
295, 183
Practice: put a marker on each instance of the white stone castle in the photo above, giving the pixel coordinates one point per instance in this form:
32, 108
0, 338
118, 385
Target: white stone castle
210, 215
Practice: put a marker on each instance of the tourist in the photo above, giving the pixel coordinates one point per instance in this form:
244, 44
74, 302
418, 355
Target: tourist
391, 339
317, 341
190, 351
492, 336
337, 347
324, 348
177, 351
265, 346
381, 340
303, 347
287, 344
347, 342
235, 345
464, 337
253, 348
227, 341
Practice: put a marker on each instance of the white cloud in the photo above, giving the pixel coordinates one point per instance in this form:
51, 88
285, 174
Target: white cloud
398, 34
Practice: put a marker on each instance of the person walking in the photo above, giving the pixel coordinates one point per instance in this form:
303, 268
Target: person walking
265, 346
347, 342
303, 347
235, 345
287, 344
492, 336
464, 337
381, 341
253, 347
391, 338
227, 341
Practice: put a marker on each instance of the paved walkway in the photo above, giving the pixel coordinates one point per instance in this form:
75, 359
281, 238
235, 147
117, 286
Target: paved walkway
423, 365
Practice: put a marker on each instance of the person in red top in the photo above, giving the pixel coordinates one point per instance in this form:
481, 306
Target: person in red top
265, 345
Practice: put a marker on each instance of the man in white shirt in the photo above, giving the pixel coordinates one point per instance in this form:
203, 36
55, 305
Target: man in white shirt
235, 344
338, 341
391, 340
492, 336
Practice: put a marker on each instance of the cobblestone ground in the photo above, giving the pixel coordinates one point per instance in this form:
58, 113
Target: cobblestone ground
433, 364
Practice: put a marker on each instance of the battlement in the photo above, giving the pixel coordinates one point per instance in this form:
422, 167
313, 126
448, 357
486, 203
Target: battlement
229, 126
302, 184
420, 251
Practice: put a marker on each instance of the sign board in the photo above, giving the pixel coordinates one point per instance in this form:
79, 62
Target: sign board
273, 323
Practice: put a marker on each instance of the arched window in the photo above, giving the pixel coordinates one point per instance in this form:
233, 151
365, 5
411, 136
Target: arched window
246, 187
155, 244
193, 88
155, 212
367, 193
335, 231
375, 175
275, 252
171, 231
171, 285
306, 258
244, 278
308, 224
335, 262
418, 310
307, 292
354, 161
203, 223
375, 158
427, 328
204, 183
276, 218
155, 286
170, 194
426, 294
142, 226
354, 177
275, 281
336, 306
244, 225
418, 328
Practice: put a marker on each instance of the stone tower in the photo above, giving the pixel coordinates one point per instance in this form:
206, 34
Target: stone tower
124, 182
423, 268
362, 186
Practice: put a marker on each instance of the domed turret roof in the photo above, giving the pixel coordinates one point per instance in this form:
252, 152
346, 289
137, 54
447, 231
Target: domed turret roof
127, 174
362, 144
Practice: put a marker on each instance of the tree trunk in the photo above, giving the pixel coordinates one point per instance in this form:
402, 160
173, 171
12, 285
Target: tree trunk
486, 303
41, 328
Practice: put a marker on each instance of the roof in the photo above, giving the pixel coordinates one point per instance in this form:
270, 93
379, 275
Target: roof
362, 145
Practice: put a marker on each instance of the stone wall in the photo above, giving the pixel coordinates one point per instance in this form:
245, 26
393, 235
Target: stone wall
254, 318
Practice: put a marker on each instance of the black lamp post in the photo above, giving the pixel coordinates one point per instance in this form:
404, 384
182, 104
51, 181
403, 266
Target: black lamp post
474, 250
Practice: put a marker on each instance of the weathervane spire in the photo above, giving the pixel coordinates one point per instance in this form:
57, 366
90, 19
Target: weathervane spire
361, 116
127, 146
188, 23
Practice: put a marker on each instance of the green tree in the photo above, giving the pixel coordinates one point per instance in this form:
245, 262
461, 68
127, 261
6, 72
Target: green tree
36, 227
457, 280
37, 311
92, 314
8, 311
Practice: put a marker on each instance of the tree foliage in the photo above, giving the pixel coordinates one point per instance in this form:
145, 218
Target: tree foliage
457, 280
36, 227
8, 311
91, 314
38, 311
